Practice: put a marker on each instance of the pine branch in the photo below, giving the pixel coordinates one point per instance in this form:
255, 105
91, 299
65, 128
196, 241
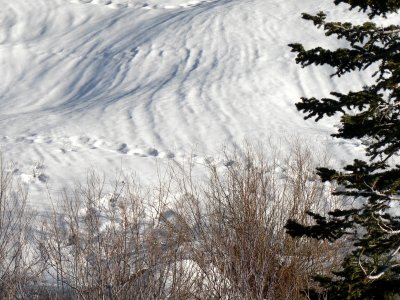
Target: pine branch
386, 266
380, 274
370, 115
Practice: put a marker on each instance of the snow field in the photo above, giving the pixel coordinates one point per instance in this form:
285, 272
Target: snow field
132, 85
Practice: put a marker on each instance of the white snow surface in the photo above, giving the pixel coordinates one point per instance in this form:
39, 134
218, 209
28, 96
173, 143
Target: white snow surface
132, 85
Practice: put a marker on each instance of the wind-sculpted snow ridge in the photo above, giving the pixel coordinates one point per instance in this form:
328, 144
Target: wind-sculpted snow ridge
152, 78
150, 4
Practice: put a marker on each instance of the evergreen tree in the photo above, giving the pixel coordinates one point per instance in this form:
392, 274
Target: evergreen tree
371, 270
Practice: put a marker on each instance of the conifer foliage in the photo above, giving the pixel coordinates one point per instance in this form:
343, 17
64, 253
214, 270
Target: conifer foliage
371, 269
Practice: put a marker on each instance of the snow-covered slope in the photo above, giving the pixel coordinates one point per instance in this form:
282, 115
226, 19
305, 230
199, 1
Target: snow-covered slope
111, 84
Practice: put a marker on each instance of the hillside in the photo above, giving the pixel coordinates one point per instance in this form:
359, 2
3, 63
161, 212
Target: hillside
132, 85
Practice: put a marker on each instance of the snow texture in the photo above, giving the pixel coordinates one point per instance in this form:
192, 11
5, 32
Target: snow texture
132, 85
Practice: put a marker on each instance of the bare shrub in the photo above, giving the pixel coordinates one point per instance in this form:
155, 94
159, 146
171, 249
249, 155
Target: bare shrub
18, 263
215, 237
113, 245
236, 223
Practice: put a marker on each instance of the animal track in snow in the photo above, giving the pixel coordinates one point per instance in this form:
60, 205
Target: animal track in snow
79, 143
32, 174
63, 145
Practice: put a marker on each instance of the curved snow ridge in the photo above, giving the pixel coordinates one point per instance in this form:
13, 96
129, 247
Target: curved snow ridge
105, 87
207, 76
94, 62
150, 4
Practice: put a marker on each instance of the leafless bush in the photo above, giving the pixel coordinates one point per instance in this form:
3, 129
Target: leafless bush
236, 222
115, 245
221, 237
18, 263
